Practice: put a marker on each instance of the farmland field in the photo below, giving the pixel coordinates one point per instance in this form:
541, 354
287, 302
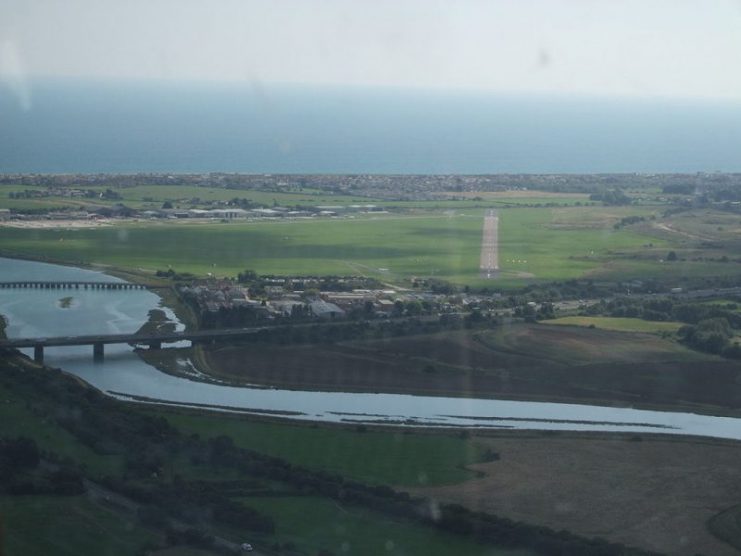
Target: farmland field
408, 458
655, 493
620, 324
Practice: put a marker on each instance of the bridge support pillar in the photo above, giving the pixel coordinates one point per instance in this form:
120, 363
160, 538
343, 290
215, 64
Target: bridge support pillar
98, 353
38, 353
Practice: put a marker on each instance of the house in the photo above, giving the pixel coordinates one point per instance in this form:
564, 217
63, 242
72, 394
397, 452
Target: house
347, 300
229, 214
199, 213
385, 306
274, 291
266, 212
325, 310
285, 306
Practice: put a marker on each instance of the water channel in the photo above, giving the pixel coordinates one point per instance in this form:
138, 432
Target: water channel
123, 374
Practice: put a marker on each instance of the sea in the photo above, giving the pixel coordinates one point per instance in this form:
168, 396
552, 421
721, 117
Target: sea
117, 126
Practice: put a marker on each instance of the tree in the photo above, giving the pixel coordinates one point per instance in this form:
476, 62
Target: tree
413, 308
167, 205
546, 311
298, 311
17, 454
672, 256
611, 197
246, 276
66, 482
711, 335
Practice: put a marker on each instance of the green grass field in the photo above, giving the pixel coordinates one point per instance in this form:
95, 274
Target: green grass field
583, 346
619, 324
66, 526
376, 457
18, 418
314, 524
543, 244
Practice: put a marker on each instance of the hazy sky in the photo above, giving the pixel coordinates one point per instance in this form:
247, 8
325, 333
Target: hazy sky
675, 48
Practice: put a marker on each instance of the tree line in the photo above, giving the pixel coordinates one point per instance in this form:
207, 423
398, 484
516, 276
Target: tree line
708, 327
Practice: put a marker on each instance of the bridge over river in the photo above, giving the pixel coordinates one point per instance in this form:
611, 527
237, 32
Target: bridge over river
76, 285
98, 341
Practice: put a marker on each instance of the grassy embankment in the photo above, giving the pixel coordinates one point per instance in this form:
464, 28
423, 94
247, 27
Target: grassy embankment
67, 526
19, 418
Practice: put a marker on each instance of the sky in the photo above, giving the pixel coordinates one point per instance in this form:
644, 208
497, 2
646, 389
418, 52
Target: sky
645, 48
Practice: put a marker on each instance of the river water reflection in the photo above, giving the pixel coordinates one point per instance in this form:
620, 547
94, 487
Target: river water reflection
41, 313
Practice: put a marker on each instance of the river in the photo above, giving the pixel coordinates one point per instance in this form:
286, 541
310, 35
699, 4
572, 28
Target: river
123, 374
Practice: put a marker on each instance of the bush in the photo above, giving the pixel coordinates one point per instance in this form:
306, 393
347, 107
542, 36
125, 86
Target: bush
18, 454
66, 482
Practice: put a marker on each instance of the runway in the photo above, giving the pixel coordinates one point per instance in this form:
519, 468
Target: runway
489, 263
